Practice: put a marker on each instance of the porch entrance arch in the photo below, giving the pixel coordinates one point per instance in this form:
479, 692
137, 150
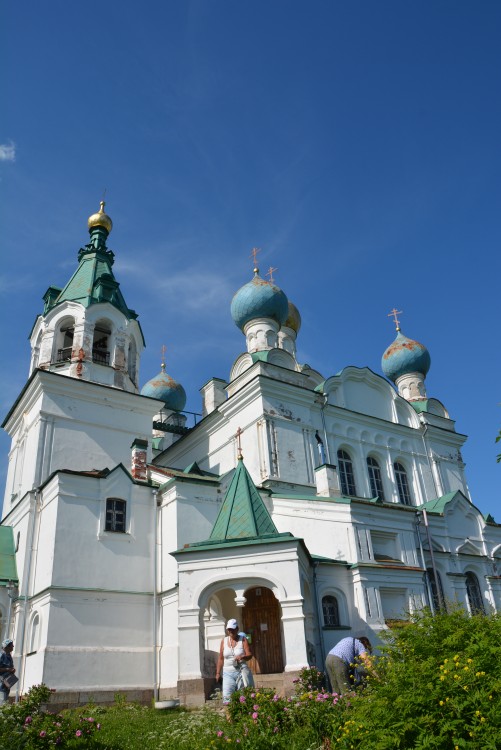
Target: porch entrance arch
261, 622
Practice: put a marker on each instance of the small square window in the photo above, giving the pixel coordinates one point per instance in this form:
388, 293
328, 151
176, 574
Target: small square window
115, 515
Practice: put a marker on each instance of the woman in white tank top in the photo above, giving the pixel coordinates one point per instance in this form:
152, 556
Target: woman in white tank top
234, 652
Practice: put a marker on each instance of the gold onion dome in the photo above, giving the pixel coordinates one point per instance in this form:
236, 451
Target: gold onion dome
293, 319
100, 219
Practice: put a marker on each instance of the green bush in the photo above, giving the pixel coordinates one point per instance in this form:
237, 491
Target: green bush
437, 687
25, 725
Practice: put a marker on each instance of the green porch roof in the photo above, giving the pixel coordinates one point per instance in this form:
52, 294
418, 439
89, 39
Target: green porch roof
8, 570
243, 513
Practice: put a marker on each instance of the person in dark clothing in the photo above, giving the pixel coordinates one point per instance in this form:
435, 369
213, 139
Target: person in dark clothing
6, 668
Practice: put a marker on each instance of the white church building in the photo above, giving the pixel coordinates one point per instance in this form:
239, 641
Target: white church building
307, 506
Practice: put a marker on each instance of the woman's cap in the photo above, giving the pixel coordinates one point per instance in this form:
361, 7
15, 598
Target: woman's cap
232, 625
7, 642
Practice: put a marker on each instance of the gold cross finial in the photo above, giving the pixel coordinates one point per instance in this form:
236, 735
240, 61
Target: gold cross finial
254, 252
393, 314
238, 434
163, 350
270, 273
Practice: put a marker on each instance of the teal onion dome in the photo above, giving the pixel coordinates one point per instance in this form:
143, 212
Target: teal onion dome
404, 356
259, 299
293, 318
166, 389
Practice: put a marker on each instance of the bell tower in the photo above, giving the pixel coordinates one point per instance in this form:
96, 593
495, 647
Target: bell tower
86, 330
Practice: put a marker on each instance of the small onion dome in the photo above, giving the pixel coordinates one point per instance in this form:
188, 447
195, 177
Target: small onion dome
100, 219
294, 318
166, 389
404, 356
259, 299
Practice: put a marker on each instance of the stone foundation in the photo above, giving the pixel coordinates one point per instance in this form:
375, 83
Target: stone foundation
62, 699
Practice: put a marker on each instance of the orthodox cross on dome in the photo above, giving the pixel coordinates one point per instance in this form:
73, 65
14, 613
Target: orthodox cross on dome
270, 273
238, 434
163, 350
254, 252
393, 314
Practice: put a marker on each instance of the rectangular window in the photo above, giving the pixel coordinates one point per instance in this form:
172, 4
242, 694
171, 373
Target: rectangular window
115, 515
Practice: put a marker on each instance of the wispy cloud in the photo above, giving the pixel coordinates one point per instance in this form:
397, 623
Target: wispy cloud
7, 151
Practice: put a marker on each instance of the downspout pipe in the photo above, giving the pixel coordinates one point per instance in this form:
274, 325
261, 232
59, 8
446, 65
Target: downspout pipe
155, 600
26, 589
317, 612
429, 461
324, 427
432, 558
423, 562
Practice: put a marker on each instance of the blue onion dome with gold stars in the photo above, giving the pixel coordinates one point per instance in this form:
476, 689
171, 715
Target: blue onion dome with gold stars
166, 389
259, 299
403, 356
293, 318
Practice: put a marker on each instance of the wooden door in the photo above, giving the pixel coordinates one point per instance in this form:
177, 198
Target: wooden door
261, 622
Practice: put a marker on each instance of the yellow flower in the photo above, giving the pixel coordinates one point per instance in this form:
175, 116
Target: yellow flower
456, 658
442, 678
482, 718
445, 661
466, 669
470, 661
441, 703
477, 713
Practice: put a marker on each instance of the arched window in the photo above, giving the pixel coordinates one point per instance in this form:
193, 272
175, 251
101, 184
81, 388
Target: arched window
375, 479
346, 476
330, 610
65, 340
101, 343
404, 491
437, 595
474, 594
34, 634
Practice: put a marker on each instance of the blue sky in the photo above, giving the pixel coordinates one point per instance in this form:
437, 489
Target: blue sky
356, 143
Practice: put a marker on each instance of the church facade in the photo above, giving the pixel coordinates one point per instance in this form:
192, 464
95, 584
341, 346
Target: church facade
307, 507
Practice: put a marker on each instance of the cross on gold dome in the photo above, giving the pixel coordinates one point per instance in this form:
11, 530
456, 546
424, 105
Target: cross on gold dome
270, 273
238, 433
393, 314
254, 252
163, 350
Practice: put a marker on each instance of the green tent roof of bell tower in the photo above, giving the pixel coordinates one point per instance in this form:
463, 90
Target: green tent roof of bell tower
93, 281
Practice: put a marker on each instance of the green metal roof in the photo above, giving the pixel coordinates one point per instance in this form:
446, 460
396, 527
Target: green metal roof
243, 513
420, 406
8, 571
93, 280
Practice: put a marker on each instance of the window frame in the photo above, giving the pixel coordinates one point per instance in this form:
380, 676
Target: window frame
375, 478
403, 484
330, 599
110, 521
473, 591
346, 473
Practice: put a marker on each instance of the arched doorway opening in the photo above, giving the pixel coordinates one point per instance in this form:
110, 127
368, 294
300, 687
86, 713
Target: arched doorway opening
262, 624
